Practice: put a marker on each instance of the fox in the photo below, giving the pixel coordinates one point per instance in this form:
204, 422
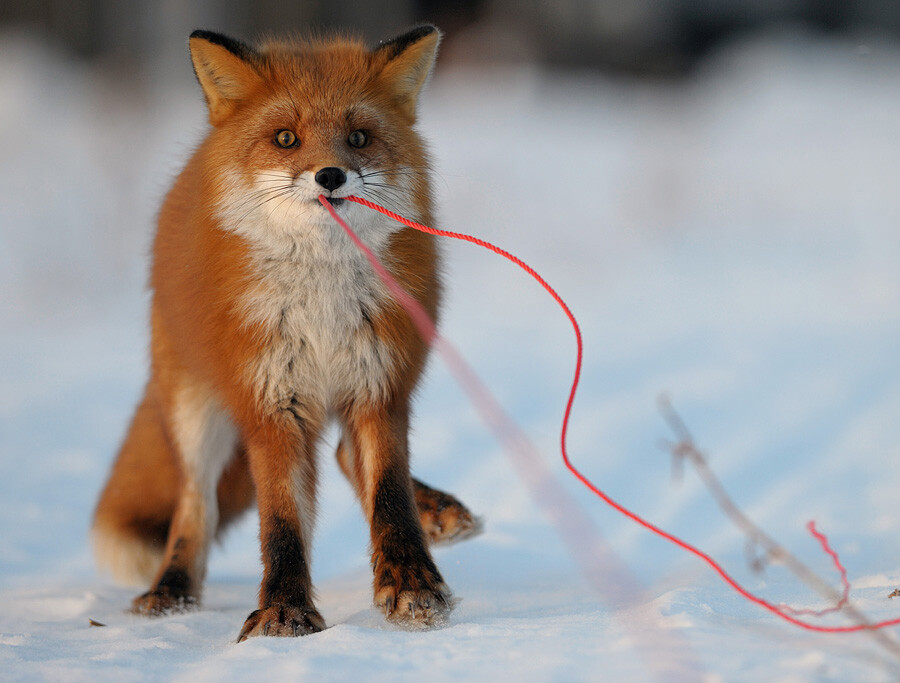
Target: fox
267, 325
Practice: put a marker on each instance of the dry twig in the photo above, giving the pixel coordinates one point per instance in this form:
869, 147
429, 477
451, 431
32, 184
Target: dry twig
685, 449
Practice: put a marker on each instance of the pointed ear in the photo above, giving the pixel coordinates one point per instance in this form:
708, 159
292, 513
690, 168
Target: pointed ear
408, 60
224, 67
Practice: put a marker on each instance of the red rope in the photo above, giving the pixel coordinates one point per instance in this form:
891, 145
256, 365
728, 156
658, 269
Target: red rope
845, 596
427, 329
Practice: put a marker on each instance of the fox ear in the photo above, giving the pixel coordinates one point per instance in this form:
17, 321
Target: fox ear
408, 60
224, 67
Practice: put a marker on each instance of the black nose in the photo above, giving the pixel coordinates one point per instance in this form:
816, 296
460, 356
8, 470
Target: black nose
331, 178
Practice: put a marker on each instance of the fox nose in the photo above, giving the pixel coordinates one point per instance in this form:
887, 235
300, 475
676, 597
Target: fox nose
331, 178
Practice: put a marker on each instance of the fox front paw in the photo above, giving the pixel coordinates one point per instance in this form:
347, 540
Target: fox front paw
160, 602
282, 621
412, 598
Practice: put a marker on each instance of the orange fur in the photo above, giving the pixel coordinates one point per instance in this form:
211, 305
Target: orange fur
265, 325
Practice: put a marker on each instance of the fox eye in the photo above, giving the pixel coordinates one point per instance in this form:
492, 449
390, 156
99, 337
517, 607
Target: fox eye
286, 139
358, 138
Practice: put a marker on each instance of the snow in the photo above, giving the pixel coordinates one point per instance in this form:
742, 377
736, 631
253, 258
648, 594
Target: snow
731, 241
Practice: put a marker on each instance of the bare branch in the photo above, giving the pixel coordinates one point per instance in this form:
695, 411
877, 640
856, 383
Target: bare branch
685, 449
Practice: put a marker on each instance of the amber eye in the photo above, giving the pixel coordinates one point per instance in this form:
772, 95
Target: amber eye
358, 138
286, 139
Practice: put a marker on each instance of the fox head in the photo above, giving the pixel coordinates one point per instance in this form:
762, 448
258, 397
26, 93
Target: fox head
293, 120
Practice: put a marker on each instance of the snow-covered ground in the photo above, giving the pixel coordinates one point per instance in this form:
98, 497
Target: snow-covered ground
732, 241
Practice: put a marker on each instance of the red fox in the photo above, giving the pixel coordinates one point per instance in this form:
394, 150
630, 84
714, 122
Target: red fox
267, 323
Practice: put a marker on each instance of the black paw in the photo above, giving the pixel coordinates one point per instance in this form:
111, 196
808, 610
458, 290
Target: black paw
160, 602
413, 597
444, 518
282, 621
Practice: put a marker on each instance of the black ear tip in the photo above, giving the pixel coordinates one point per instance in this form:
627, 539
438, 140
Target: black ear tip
211, 36
425, 29
397, 45
235, 47
418, 32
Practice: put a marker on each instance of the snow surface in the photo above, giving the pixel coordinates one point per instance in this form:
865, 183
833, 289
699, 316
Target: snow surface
732, 241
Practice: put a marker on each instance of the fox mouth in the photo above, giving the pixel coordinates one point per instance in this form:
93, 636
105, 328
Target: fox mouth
334, 201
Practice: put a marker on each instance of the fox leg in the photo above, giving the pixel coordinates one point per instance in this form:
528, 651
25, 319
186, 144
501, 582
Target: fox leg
135, 510
407, 584
282, 460
205, 440
444, 518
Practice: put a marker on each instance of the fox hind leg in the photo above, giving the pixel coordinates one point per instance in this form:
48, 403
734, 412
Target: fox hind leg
205, 440
136, 508
444, 518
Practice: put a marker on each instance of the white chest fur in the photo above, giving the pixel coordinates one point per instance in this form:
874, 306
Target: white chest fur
320, 345
314, 298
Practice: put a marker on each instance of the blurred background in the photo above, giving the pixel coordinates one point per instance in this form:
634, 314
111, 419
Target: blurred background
644, 37
712, 185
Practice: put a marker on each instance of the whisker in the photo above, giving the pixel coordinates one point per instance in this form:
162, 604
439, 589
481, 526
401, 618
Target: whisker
407, 172
388, 197
276, 176
411, 172
260, 195
262, 198
287, 196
